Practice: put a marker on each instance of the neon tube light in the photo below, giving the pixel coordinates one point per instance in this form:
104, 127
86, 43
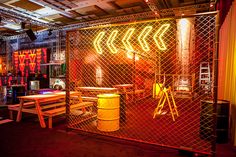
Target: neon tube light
97, 41
126, 39
158, 36
142, 37
111, 40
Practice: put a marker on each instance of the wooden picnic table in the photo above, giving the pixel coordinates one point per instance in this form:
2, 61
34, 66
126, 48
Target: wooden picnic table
38, 100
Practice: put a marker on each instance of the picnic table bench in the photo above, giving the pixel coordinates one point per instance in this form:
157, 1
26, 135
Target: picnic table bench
48, 105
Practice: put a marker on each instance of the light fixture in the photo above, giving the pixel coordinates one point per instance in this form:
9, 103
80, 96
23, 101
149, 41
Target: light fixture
211, 5
31, 34
12, 26
49, 32
22, 25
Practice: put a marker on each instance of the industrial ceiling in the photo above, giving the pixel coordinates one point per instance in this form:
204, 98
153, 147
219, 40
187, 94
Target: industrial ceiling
16, 16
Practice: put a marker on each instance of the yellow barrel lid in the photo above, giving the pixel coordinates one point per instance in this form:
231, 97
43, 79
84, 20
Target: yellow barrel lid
108, 95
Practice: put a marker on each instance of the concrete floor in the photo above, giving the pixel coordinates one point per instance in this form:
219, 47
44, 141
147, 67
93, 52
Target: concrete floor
27, 139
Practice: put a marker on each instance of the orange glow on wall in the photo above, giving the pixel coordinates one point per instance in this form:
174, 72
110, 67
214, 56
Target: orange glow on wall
130, 55
2, 66
185, 33
99, 75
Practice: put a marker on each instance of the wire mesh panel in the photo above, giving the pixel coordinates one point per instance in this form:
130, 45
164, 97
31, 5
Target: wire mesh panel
149, 81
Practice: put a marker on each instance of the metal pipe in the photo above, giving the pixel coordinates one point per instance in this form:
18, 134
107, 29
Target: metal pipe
198, 14
67, 80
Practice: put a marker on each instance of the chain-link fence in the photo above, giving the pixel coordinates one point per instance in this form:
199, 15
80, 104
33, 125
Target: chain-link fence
162, 70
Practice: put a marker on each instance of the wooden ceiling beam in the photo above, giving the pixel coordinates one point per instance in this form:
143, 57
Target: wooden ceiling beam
53, 6
86, 3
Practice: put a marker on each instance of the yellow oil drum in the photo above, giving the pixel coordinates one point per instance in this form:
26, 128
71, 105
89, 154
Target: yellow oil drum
108, 112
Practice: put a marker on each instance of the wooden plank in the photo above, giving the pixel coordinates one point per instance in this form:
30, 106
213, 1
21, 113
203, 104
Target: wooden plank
136, 91
89, 98
50, 122
16, 106
40, 115
53, 105
61, 110
19, 114
42, 107
33, 111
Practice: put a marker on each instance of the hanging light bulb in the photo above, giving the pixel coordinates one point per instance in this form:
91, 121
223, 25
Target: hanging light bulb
49, 32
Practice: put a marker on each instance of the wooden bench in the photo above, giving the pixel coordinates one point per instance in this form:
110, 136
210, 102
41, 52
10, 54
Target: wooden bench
48, 106
49, 110
28, 106
61, 110
87, 98
15, 107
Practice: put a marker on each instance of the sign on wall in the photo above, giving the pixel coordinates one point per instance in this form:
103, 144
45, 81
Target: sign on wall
28, 61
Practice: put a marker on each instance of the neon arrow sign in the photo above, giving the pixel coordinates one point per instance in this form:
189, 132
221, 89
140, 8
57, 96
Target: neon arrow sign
142, 39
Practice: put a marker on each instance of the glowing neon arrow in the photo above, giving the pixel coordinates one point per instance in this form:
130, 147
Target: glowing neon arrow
158, 36
110, 41
126, 38
97, 41
142, 37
